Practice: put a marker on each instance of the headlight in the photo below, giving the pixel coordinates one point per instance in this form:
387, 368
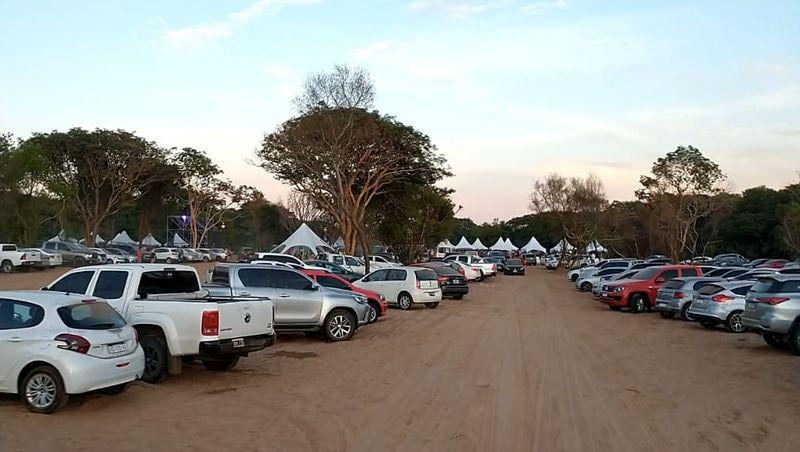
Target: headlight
359, 299
619, 289
383, 298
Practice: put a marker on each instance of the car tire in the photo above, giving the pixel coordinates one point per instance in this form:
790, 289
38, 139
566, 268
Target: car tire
115, 390
458, 297
404, 301
637, 303
221, 365
667, 314
43, 390
156, 358
710, 324
774, 340
205, 258
586, 287
573, 278
374, 309
433, 305
168, 260
685, 312
481, 277
794, 339
78, 262
734, 322
6, 267
340, 325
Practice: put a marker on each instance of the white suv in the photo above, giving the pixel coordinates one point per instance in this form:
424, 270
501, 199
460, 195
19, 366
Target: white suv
168, 255
53, 345
404, 286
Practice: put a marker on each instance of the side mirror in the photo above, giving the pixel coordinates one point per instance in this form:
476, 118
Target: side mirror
314, 287
660, 280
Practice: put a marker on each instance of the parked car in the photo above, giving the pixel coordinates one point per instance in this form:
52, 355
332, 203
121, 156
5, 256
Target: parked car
73, 253
602, 286
587, 283
486, 269
166, 255
514, 267
676, 295
530, 258
551, 262
190, 255
47, 259
404, 286
124, 247
377, 262
773, 263
470, 273
336, 269
105, 258
721, 303
755, 263
301, 305
500, 264
452, 282
119, 256
729, 260
174, 319
640, 291
205, 255
772, 308
377, 304
220, 253
12, 258
351, 263
278, 257
591, 270
53, 345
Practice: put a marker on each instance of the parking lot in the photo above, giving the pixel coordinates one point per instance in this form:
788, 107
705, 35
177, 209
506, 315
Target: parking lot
522, 363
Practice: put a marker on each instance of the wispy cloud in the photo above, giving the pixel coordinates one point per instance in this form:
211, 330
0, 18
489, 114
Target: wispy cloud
459, 8
543, 5
196, 35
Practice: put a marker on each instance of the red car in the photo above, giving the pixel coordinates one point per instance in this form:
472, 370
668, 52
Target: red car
639, 291
375, 300
774, 263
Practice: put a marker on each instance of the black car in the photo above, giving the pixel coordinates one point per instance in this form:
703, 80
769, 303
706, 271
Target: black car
336, 269
514, 267
453, 283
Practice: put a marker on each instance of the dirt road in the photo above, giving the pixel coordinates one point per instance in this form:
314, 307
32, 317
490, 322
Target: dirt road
523, 363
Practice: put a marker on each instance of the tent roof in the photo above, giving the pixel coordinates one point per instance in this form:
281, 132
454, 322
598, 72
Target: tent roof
596, 247
60, 237
500, 244
511, 246
123, 238
447, 243
478, 245
339, 243
560, 245
302, 236
533, 245
178, 241
149, 240
463, 244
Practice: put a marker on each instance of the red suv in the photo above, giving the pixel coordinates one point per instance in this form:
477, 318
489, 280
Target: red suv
375, 300
639, 291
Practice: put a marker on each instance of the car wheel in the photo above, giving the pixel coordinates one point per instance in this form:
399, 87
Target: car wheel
685, 312
372, 316
573, 278
710, 324
734, 322
78, 261
168, 260
481, 277
6, 267
586, 287
405, 301
432, 305
205, 258
794, 339
667, 314
340, 325
155, 358
774, 340
637, 303
221, 365
44, 390
458, 297
115, 390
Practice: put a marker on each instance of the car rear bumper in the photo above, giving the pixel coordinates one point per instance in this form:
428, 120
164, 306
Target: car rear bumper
515, 271
669, 306
448, 291
223, 347
90, 373
768, 323
711, 311
427, 296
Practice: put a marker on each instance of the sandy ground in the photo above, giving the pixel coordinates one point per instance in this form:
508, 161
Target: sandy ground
523, 363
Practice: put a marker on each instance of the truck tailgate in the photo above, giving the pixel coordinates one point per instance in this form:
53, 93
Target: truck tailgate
242, 318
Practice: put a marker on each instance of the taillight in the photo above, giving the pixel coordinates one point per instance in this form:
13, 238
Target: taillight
494, 267
678, 295
721, 298
773, 300
442, 279
419, 285
210, 326
73, 343
461, 270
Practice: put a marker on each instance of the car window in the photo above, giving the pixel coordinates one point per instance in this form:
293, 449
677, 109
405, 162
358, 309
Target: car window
220, 275
18, 314
689, 272
9, 248
399, 275
741, 290
673, 284
791, 286
330, 281
338, 260
91, 316
110, 284
50, 246
710, 289
291, 280
700, 284
353, 262
423, 275
610, 271
73, 283
167, 282
669, 274
256, 277
376, 276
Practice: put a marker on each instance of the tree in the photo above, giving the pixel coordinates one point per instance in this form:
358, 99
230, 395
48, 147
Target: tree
98, 172
681, 188
210, 200
343, 88
303, 209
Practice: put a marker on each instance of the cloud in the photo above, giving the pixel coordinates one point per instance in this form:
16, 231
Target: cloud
458, 8
542, 6
374, 49
196, 35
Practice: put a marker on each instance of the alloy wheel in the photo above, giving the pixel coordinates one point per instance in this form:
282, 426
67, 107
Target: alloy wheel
736, 323
152, 357
373, 314
340, 326
40, 391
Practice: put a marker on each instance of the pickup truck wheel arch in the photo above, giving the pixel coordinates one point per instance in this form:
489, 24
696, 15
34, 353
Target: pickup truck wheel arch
7, 266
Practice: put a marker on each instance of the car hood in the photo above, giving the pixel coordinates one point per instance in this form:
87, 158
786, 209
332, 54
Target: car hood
624, 282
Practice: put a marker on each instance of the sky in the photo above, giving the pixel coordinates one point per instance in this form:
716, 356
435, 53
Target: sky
508, 90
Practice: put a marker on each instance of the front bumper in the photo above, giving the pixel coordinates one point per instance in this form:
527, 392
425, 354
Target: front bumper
515, 271
614, 298
89, 373
223, 347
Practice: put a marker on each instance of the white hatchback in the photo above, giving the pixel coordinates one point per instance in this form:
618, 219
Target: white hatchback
53, 345
404, 286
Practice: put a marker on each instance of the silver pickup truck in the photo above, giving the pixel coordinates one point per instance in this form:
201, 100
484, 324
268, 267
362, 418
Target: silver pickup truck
301, 305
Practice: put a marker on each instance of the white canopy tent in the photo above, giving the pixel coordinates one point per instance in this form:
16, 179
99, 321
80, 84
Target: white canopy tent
560, 247
448, 244
510, 246
123, 238
99, 240
595, 247
339, 243
60, 237
149, 240
478, 245
303, 238
463, 244
533, 245
500, 245
178, 241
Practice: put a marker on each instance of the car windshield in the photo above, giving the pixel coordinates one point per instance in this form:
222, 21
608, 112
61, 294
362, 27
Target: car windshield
647, 273
91, 316
425, 275
514, 262
710, 289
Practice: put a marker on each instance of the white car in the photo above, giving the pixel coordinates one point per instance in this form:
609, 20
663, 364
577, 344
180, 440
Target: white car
404, 286
11, 258
378, 262
53, 345
469, 272
49, 258
351, 263
117, 256
168, 255
279, 257
485, 268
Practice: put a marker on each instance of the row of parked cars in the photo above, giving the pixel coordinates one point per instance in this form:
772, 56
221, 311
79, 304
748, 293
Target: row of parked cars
761, 296
100, 327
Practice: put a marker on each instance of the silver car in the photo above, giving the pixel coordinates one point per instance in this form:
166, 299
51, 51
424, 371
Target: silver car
773, 309
676, 295
589, 282
721, 303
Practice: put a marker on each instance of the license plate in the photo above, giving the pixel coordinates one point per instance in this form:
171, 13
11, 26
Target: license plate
603, 294
432, 293
117, 348
456, 281
238, 342
750, 306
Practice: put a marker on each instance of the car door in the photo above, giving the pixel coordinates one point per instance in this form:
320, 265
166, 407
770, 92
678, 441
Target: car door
375, 281
396, 283
298, 299
18, 340
74, 283
112, 285
253, 282
660, 280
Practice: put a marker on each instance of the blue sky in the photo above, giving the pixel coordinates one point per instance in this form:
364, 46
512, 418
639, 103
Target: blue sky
509, 90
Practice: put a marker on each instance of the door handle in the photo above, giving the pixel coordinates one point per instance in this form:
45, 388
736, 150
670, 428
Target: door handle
284, 295
244, 294
16, 339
